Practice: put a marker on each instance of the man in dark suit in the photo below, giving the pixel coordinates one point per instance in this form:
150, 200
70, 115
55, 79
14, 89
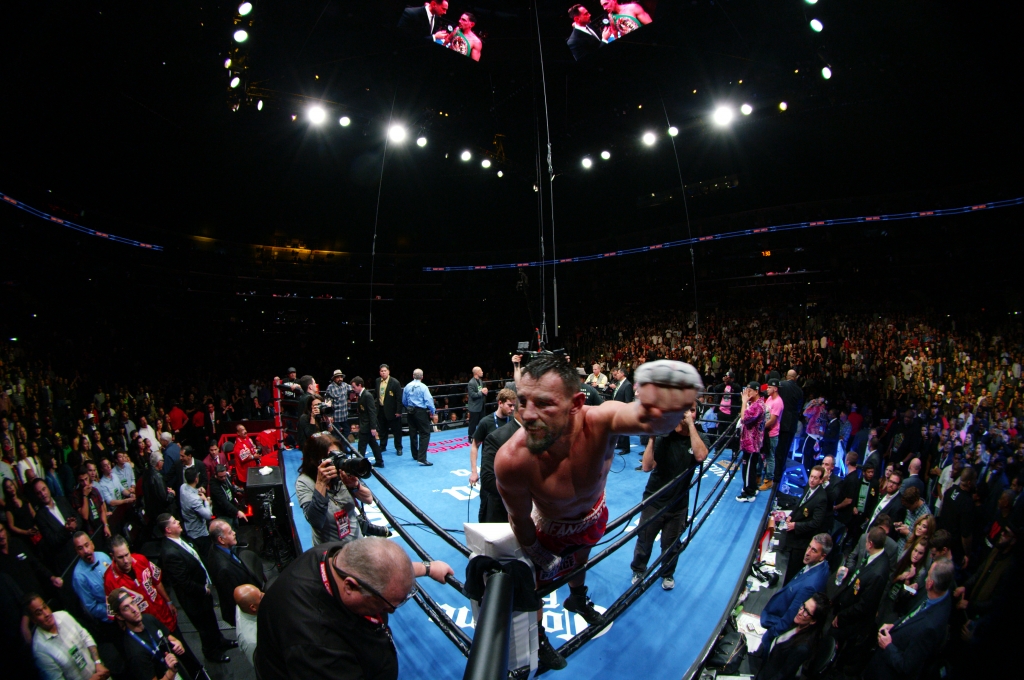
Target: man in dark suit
792, 407
188, 460
224, 495
887, 502
193, 586
367, 406
583, 40
905, 647
425, 20
808, 518
157, 496
227, 570
389, 417
860, 590
777, 615
624, 393
58, 551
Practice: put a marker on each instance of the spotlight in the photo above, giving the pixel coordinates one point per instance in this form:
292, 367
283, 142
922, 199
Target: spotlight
649, 138
235, 81
500, 173
259, 105
344, 121
811, 2
722, 116
673, 131
746, 109
316, 115
244, 8
783, 106
466, 155
816, 26
227, 63
422, 141
485, 163
605, 155
241, 36
587, 163
396, 133
826, 73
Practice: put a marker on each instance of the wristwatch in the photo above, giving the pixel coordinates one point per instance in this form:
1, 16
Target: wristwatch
426, 566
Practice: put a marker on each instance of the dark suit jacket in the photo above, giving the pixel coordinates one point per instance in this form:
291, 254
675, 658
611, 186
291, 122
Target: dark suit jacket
57, 547
186, 572
811, 517
777, 616
624, 392
583, 44
913, 643
785, 659
416, 21
891, 508
154, 494
222, 506
228, 575
856, 600
392, 400
792, 405
367, 406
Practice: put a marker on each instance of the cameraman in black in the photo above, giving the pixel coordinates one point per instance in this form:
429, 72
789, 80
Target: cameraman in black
149, 648
326, 494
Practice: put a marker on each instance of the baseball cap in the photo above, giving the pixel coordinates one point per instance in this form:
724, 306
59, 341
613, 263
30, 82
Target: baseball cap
291, 369
754, 385
773, 382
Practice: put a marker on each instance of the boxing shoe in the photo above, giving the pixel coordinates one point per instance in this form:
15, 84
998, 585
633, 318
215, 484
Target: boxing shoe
579, 603
548, 656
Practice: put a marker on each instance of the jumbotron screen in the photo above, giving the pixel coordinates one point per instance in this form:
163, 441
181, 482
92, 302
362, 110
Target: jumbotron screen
606, 22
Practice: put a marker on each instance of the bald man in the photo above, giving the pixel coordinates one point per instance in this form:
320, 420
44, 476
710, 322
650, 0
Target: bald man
477, 398
247, 605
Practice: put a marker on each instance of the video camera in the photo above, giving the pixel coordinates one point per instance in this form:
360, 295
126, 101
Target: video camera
529, 355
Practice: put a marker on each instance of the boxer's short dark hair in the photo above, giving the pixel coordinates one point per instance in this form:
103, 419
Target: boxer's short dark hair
554, 363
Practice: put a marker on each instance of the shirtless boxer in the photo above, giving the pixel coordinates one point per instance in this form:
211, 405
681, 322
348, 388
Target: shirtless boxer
551, 474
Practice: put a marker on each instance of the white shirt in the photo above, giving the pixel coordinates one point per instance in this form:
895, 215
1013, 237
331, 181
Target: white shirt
64, 655
885, 500
55, 511
245, 632
149, 433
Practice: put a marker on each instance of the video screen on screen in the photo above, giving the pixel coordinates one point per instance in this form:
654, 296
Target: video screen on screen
444, 23
605, 22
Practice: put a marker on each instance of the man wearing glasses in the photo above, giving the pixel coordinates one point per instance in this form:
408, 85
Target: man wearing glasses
327, 614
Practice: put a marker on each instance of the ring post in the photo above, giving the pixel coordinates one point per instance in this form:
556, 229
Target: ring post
488, 658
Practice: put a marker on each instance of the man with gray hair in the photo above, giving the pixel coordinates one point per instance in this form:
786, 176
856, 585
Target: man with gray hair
418, 402
777, 615
227, 568
326, 615
158, 497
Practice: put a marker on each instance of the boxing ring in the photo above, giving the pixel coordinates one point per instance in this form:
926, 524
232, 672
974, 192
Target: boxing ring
663, 634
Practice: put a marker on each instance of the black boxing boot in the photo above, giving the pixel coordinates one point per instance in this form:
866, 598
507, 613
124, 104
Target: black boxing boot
547, 655
579, 603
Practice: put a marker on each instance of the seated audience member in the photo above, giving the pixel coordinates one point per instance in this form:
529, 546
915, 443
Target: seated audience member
795, 645
891, 552
326, 615
777, 615
135, 574
56, 522
226, 569
247, 606
326, 495
62, 648
906, 646
907, 581
150, 650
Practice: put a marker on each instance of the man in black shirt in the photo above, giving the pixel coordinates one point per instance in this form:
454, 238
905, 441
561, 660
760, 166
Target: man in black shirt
149, 648
792, 408
506, 406
492, 508
624, 393
957, 516
666, 458
326, 615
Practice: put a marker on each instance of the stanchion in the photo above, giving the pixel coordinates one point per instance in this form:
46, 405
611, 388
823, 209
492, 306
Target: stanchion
488, 659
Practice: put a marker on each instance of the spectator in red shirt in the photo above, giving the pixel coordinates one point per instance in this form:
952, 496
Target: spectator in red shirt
856, 421
245, 454
214, 457
143, 580
177, 418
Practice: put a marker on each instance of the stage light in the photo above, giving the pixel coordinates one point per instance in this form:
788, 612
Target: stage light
722, 116
587, 163
259, 105
244, 8
816, 26
500, 173
826, 73
605, 155
746, 109
344, 121
485, 163
783, 106
811, 2
316, 115
422, 141
649, 138
673, 131
396, 133
466, 155
235, 81
227, 63
241, 36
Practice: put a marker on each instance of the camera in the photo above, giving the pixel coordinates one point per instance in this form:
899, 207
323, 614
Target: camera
350, 462
529, 355
367, 528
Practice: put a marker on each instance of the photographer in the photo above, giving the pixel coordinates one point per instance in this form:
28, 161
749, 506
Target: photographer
149, 648
325, 494
308, 424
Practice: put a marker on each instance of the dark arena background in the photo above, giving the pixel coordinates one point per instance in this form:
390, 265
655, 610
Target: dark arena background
199, 196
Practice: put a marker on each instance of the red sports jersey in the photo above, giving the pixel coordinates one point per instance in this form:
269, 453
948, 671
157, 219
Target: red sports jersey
142, 583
